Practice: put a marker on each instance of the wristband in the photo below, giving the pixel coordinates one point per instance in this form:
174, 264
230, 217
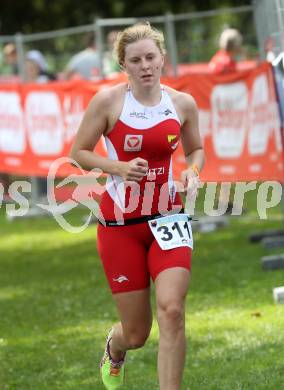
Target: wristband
195, 169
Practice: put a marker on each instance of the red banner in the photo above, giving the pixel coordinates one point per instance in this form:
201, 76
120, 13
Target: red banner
239, 124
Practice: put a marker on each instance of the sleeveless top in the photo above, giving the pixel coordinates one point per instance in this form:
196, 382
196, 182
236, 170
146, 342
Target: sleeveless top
153, 134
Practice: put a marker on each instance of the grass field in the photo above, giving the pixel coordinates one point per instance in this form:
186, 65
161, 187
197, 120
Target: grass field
55, 308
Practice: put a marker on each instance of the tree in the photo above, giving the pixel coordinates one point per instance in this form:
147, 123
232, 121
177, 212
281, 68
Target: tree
30, 16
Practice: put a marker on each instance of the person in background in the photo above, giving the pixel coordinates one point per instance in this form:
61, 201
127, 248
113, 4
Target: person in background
269, 49
86, 63
4, 186
10, 58
223, 62
36, 68
11, 69
110, 66
230, 47
36, 71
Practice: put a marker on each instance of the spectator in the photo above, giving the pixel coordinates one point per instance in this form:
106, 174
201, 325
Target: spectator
110, 65
10, 57
36, 68
230, 46
4, 183
11, 60
36, 72
224, 61
86, 63
269, 49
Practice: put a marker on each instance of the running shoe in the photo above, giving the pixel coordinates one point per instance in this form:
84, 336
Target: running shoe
112, 372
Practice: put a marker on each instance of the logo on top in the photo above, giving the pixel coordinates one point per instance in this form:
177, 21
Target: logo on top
166, 112
133, 143
173, 140
138, 115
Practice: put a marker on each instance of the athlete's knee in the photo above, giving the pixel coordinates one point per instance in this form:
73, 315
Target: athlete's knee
136, 339
171, 316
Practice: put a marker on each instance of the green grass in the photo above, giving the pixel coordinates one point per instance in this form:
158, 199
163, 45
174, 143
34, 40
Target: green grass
55, 308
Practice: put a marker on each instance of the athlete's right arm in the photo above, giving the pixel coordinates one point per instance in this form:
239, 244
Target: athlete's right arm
93, 125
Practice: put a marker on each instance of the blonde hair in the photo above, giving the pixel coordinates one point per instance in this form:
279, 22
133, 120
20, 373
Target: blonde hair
230, 40
135, 33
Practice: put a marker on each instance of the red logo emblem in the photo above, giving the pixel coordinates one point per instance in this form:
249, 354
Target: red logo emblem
133, 143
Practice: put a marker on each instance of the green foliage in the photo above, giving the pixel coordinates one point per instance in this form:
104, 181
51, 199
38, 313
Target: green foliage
42, 15
197, 38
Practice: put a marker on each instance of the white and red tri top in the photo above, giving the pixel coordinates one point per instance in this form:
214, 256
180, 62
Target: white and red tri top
153, 134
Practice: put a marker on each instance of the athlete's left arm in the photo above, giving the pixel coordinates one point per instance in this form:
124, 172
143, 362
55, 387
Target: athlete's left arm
191, 140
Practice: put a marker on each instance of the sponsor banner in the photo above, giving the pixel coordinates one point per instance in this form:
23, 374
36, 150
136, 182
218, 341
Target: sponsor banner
239, 123
238, 115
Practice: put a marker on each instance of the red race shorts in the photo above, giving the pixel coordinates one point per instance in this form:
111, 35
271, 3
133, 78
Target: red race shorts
130, 256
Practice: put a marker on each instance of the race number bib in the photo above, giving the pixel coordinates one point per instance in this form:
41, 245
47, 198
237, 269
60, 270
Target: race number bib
172, 231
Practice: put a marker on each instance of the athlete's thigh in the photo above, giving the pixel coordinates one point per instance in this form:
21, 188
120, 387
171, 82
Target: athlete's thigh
171, 286
124, 258
160, 260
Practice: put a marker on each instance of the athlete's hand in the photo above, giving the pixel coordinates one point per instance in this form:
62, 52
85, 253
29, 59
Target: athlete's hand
133, 170
190, 181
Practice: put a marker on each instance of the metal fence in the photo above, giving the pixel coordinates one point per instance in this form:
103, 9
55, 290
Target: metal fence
190, 37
